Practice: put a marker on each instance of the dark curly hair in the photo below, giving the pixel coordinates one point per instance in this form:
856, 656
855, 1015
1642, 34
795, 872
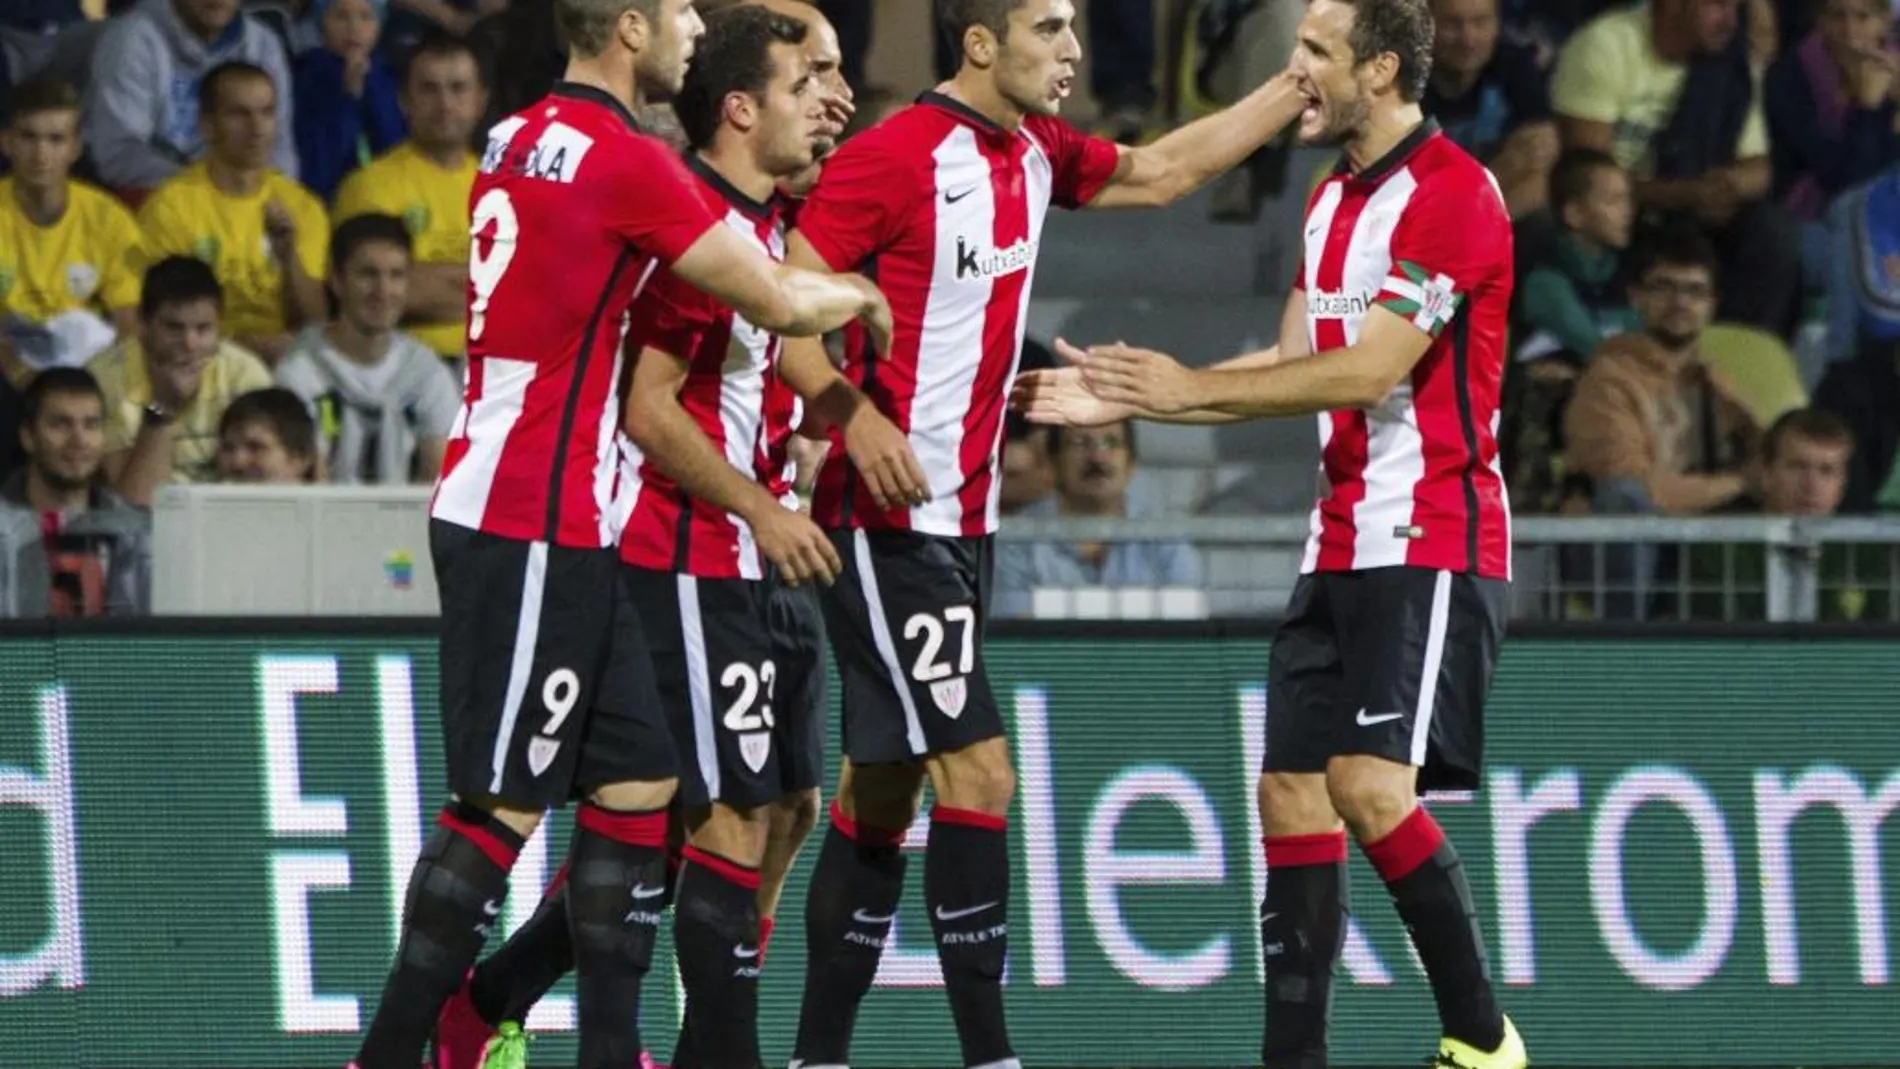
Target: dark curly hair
1401, 27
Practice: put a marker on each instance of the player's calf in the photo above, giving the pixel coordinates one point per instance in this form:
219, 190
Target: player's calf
1302, 916
1427, 883
790, 821
716, 933
966, 887
616, 877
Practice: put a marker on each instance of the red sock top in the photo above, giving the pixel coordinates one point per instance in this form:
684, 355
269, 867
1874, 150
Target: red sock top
1296, 851
1409, 845
865, 834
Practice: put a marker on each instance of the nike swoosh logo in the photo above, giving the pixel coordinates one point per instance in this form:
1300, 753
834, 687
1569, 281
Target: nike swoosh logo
958, 914
492, 908
952, 198
744, 953
871, 918
1368, 721
641, 890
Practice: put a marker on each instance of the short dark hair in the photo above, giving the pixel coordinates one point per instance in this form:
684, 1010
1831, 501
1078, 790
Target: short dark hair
443, 45
283, 411
586, 27
735, 56
360, 230
178, 280
955, 17
37, 96
1814, 424
1401, 27
60, 380
230, 70
1680, 245
1574, 173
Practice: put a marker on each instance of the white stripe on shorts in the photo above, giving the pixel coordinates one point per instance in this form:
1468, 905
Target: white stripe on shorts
521, 665
1428, 673
699, 685
886, 645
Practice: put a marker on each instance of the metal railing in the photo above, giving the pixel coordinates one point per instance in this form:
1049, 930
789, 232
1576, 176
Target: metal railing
1584, 568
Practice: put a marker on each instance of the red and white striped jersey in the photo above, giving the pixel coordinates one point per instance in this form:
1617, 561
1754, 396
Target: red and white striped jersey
1415, 481
732, 393
573, 210
945, 210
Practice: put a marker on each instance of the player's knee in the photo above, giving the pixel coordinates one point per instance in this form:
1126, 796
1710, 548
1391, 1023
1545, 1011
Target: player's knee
521, 820
978, 778
794, 816
1295, 803
732, 832
1372, 799
635, 796
883, 796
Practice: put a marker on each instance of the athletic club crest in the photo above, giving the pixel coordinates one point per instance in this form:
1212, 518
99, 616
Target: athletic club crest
951, 695
541, 753
755, 747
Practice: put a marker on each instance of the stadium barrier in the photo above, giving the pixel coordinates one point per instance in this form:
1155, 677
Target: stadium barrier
1683, 853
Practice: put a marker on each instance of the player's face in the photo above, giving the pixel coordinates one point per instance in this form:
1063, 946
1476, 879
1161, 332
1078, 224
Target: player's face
43, 147
1093, 466
1675, 302
826, 57
791, 115
373, 290
350, 28
1605, 214
1467, 34
1806, 478
1338, 101
67, 440
252, 452
182, 337
670, 47
443, 99
241, 129
1035, 64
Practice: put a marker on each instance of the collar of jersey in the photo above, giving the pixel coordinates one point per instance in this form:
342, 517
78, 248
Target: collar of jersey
577, 91
1382, 167
756, 209
964, 113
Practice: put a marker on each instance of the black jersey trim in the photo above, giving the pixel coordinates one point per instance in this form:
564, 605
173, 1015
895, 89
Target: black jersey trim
570, 409
1381, 169
758, 211
1467, 422
596, 95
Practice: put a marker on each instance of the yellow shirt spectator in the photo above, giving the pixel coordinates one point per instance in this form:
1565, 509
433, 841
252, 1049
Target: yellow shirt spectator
121, 371
433, 203
91, 258
189, 216
1609, 72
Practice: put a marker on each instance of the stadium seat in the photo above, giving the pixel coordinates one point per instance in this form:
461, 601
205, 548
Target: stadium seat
1759, 366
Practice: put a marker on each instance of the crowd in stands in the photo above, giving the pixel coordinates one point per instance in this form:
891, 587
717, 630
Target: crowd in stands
234, 246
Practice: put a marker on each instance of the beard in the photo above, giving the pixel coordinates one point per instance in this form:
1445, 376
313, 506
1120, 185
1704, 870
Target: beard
60, 482
1671, 339
1344, 121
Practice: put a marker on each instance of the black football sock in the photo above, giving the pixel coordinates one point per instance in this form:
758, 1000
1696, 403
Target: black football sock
686, 1050
1302, 929
454, 898
848, 915
615, 882
1427, 883
966, 887
508, 983
716, 938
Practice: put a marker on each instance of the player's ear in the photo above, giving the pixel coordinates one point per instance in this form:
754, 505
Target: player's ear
980, 46
739, 111
1385, 71
633, 30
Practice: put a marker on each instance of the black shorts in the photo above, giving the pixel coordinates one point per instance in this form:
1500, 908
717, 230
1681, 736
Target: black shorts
797, 625
547, 687
737, 692
906, 619
1393, 662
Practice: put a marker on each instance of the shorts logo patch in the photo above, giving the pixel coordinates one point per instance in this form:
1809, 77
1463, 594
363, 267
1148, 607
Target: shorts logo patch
541, 754
951, 695
755, 749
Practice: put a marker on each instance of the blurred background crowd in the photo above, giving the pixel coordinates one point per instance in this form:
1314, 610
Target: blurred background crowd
234, 246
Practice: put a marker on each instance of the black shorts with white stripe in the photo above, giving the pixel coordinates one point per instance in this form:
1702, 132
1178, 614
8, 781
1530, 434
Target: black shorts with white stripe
547, 686
797, 626
1393, 662
733, 700
906, 620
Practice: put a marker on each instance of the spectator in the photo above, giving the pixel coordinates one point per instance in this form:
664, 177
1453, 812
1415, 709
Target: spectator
384, 402
1805, 457
68, 545
261, 232
44, 17
1029, 470
69, 253
1863, 285
12, 414
1651, 424
1122, 65
1667, 88
167, 389
412, 20
1572, 297
142, 121
1093, 467
267, 436
425, 182
1831, 110
1865, 393
1489, 95
521, 55
347, 110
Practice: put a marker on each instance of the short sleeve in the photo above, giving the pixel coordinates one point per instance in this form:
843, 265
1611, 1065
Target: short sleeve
249, 372
298, 373
651, 201
357, 196
313, 232
859, 205
1453, 237
1083, 164
1589, 69
671, 316
166, 230
125, 259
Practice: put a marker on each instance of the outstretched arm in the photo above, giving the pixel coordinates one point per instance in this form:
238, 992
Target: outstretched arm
778, 297
1163, 172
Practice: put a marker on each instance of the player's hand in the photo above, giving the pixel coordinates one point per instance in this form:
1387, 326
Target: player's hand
1138, 378
1057, 397
883, 456
796, 547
